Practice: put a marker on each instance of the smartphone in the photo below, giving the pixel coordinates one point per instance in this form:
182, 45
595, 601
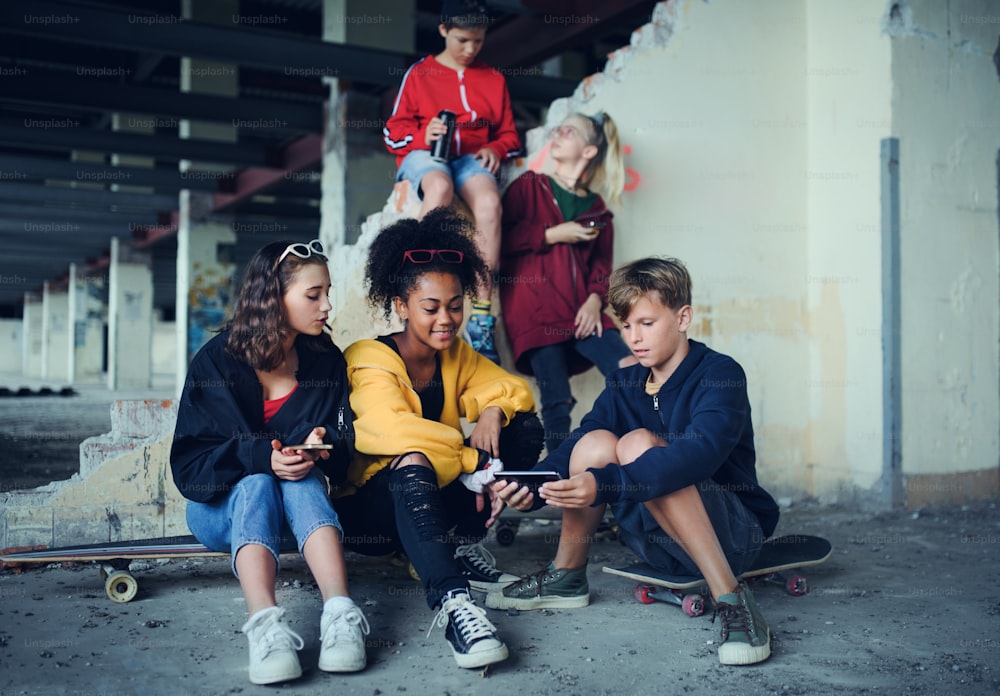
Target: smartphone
596, 224
531, 479
310, 446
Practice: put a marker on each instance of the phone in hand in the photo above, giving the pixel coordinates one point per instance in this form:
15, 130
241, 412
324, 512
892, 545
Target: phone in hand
532, 479
596, 224
310, 446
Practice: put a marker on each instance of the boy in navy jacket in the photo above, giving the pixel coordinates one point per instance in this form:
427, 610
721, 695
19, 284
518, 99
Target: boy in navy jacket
669, 445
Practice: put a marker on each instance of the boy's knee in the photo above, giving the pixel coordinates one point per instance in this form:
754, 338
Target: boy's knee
438, 186
634, 444
486, 206
595, 450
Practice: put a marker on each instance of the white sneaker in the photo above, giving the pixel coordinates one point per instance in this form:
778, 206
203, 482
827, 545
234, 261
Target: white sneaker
342, 637
472, 637
479, 567
272, 647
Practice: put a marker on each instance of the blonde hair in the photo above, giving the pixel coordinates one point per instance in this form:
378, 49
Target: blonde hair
667, 278
606, 171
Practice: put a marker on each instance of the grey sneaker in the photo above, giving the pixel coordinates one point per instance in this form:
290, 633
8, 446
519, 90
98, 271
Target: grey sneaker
272, 647
342, 637
479, 567
746, 638
480, 330
565, 588
473, 638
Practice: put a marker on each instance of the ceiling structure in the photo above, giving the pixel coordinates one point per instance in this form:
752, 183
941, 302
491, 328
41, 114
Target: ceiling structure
75, 74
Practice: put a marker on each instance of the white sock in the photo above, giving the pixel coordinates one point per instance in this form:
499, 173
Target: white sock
337, 604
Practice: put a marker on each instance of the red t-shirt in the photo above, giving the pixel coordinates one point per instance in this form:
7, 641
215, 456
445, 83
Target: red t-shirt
272, 406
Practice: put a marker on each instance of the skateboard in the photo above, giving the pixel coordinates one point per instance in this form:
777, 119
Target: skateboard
113, 559
777, 555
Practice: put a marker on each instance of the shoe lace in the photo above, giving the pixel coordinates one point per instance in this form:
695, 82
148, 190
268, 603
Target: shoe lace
275, 634
734, 618
470, 619
343, 624
479, 556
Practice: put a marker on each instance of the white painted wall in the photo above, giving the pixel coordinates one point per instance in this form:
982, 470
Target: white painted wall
946, 112
31, 354
848, 92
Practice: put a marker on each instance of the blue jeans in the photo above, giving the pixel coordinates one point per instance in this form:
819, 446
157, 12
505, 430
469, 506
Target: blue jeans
261, 509
418, 163
552, 374
738, 530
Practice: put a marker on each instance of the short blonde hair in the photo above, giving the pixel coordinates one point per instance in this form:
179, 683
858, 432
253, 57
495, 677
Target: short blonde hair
667, 277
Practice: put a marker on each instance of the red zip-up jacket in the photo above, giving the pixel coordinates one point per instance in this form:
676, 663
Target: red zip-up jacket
478, 96
542, 286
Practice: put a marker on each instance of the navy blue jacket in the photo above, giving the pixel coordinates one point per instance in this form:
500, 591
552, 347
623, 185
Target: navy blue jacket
702, 412
220, 435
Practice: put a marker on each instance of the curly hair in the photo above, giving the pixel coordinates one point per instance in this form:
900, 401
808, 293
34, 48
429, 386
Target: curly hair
388, 274
259, 327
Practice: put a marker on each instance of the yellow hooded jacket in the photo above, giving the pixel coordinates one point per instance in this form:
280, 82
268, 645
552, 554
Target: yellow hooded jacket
388, 418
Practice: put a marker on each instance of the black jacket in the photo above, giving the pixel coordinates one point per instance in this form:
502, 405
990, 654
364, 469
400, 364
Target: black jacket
220, 435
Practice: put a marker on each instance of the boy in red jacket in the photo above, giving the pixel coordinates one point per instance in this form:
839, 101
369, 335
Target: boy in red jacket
484, 137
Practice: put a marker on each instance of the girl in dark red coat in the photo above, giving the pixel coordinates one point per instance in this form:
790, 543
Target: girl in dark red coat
557, 247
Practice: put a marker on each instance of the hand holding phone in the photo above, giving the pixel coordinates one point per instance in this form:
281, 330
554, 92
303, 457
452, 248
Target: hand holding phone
532, 479
311, 446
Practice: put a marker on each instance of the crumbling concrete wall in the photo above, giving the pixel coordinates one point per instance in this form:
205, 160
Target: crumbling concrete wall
123, 491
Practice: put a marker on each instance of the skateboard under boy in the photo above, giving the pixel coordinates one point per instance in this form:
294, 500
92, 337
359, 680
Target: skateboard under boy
114, 557
777, 555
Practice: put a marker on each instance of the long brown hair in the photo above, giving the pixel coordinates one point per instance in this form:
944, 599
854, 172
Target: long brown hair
259, 327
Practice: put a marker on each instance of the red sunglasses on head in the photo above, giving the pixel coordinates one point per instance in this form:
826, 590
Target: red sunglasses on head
427, 255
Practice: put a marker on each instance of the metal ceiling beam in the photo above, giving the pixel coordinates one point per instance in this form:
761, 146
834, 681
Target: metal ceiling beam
159, 179
90, 198
35, 213
165, 106
172, 35
159, 146
304, 154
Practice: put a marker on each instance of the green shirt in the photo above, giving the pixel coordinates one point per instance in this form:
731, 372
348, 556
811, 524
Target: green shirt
570, 205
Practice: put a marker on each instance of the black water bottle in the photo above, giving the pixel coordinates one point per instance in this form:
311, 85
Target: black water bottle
441, 148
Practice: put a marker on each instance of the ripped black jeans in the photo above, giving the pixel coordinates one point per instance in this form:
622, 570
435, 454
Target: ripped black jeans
405, 510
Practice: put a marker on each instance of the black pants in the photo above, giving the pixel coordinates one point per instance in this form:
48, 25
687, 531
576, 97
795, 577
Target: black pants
404, 509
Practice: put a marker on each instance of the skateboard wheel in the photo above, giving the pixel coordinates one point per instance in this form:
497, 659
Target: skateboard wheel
506, 535
693, 605
796, 585
121, 587
642, 593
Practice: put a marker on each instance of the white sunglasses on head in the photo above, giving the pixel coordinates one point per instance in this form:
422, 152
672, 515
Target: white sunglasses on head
303, 251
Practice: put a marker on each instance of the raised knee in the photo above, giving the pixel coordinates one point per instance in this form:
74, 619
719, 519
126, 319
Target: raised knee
409, 459
595, 450
632, 445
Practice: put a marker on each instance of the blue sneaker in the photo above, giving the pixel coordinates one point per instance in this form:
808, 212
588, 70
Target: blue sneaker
479, 330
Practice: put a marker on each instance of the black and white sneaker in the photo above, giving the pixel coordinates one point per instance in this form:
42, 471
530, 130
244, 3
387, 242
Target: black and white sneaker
473, 638
479, 567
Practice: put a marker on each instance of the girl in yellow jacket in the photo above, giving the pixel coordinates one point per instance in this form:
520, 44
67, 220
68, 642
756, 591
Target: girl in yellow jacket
416, 482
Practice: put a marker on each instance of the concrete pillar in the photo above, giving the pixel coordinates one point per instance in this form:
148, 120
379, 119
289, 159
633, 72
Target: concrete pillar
31, 336
130, 320
205, 274
87, 311
55, 329
351, 193
12, 344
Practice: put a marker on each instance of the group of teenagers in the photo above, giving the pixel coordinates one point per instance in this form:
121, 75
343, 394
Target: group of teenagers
668, 445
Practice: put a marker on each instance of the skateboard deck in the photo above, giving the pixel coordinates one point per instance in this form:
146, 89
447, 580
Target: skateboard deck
114, 557
776, 555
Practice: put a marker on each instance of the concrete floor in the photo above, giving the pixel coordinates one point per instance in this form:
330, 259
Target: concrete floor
908, 604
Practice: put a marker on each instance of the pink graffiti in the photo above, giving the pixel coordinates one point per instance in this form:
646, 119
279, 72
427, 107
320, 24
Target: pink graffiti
632, 177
